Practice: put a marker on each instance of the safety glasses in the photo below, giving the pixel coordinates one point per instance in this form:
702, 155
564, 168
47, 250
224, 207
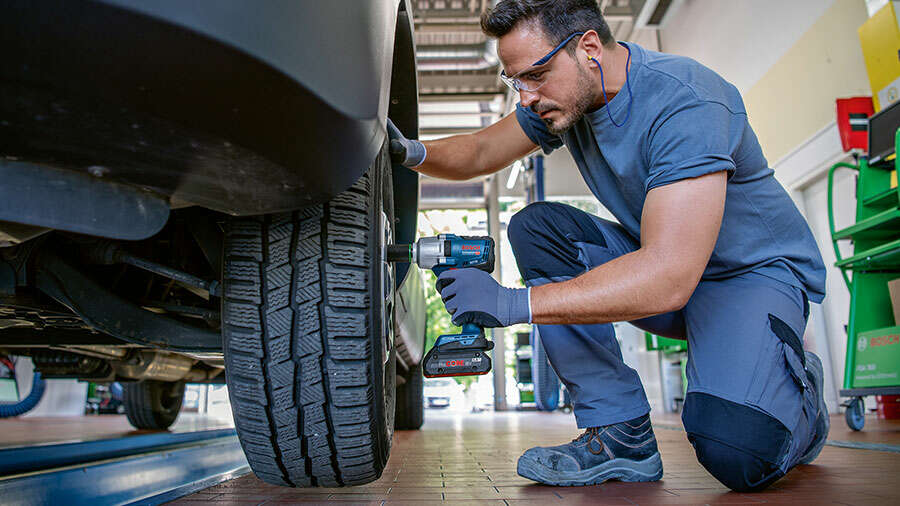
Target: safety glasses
531, 78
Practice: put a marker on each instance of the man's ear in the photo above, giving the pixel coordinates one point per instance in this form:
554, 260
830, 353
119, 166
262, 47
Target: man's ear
589, 46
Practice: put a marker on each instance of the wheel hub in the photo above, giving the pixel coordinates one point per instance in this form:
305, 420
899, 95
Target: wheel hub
387, 289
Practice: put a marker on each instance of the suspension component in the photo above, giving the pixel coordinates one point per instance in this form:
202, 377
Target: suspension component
63, 364
108, 253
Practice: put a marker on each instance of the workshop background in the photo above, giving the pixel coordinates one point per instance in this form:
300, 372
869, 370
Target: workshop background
791, 61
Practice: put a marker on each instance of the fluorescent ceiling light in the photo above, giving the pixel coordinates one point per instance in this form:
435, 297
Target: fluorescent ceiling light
514, 174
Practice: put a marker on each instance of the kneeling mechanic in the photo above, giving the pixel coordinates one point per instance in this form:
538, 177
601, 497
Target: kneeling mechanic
708, 247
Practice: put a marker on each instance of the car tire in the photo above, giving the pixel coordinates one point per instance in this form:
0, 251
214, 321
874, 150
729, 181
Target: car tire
153, 405
308, 337
411, 401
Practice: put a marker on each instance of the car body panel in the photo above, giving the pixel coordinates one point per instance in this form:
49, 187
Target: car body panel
255, 107
338, 58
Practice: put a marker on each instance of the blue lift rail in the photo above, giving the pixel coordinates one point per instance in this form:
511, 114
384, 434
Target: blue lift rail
143, 469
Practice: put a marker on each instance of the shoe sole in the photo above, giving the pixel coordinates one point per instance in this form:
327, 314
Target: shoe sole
649, 469
815, 362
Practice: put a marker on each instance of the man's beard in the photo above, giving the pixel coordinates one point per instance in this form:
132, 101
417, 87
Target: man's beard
583, 101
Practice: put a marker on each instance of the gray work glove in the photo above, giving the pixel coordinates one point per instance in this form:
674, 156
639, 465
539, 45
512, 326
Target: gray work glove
473, 296
407, 152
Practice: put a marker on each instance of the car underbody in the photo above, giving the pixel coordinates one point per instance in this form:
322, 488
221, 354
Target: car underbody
193, 196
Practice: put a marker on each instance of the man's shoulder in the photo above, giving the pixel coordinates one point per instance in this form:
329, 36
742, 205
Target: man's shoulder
684, 78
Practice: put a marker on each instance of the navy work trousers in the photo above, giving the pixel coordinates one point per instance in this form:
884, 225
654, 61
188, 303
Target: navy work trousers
749, 411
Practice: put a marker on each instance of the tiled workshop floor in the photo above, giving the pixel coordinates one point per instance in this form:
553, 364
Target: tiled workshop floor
471, 459
24, 431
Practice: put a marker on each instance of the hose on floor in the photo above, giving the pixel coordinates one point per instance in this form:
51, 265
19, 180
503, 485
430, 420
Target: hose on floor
28, 403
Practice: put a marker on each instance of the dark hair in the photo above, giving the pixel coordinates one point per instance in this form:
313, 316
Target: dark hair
558, 18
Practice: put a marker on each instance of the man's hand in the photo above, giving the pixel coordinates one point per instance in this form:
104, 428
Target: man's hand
473, 296
407, 152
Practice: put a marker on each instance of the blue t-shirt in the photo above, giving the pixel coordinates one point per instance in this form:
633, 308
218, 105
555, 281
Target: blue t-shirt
686, 121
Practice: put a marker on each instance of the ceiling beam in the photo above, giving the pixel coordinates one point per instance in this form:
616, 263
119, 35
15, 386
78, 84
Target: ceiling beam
460, 97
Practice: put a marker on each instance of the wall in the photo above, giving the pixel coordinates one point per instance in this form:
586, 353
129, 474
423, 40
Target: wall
795, 98
62, 397
790, 60
739, 39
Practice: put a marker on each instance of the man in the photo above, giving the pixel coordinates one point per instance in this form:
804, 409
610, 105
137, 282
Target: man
708, 248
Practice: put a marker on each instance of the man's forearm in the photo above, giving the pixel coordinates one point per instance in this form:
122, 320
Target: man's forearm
486, 151
455, 158
627, 288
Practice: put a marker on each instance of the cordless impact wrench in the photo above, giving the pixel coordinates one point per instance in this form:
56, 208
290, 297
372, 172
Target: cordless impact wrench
465, 353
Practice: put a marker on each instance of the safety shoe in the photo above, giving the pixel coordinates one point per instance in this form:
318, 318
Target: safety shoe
624, 451
816, 375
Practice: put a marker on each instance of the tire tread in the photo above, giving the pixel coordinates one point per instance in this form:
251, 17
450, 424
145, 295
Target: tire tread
297, 342
139, 404
411, 401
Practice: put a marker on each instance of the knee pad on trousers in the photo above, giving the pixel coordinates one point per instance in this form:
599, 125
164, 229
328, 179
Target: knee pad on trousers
740, 446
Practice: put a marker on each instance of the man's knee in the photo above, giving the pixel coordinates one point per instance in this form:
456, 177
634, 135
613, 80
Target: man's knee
740, 446
529, 222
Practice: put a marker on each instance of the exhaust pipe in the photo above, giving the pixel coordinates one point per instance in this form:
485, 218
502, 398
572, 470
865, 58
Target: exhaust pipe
148, 365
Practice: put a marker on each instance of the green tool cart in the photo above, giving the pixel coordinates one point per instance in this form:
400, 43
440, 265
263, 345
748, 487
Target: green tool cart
664, 344
873, 337
672, 349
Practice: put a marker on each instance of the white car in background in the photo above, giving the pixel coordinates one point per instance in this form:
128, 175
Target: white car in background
439, 392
